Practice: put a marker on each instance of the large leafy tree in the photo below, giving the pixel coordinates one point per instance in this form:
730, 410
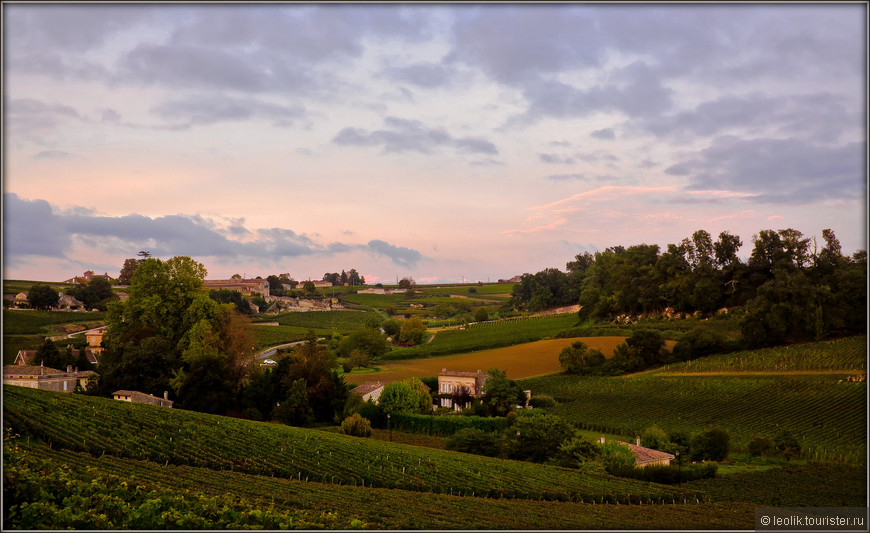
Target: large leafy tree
500, 393
42, 296
169, 335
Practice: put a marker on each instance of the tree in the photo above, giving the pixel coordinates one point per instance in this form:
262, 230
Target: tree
787, 445
412, 331
48, 355
424, 395
576, 451
578, 357
481, 314
309, 287
42, 296
170, 335
647, 344
127, 270
407, 283
536, 437
473, 440
391, 327
760, 446
398, 397
501, 394
711, 445
95, 294
655, 438
356, 426
370, 341
294, 410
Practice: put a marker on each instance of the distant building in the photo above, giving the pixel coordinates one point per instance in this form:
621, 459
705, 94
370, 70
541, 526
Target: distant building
643, 456
451, 381
140, 397
28, 357
87, 277
369, 390
45, 378
244, 286
95, 339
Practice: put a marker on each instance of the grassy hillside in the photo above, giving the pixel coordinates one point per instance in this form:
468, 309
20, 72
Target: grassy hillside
824, 411
142, 432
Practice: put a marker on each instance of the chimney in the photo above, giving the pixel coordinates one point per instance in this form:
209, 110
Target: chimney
69, 369
637, 440
166, 395
601, 439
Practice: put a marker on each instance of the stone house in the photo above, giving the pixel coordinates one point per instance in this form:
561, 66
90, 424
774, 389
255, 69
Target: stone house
643, 456
140, 397
244, 286
27, 357
95, 339
451, 381
369, 390
45, 378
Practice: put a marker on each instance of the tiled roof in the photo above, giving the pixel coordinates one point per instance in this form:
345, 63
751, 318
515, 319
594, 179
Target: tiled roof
460, 373
646, 455
141, 397
26, 355
368, 386
30, 370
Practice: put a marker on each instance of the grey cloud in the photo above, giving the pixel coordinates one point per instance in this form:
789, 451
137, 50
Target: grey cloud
584, 177
33, 228
556, 159
405, 257
426, 75
53, 154
202, 109
778, 170
29, 116
411, 135
606, 134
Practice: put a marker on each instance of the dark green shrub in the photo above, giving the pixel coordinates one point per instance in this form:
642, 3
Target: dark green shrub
357, 426
760, 446
711, 445
473, 440
542, 401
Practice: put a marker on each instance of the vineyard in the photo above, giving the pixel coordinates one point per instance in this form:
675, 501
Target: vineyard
99, 426
849, 354
483, 335
826, 415
318, 505
322, 321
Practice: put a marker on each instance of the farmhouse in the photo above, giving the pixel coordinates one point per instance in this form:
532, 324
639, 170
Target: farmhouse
87, 277
369, 390
453, 381
644, 457
244, 286
95, 339
45, 378
140, 397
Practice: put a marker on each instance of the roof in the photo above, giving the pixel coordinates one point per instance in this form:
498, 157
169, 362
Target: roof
141, 397
646, 455
460, 373
368, 386
29, 355
30, 370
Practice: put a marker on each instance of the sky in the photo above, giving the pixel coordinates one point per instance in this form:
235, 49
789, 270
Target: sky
442, 142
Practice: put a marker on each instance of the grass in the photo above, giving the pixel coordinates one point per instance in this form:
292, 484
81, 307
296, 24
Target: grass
520, 361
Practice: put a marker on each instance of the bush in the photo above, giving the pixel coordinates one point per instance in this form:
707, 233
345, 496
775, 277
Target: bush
542, 401
473, 440
786, 445
668, 474
760, 446
357, 426
575, 452
616, 457
445, 424
653, 437
578, 357
536, 437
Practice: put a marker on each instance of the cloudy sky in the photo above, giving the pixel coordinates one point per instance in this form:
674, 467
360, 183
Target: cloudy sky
442, 142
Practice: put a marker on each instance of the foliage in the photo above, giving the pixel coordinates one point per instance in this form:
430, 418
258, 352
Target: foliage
473, 440
536, 437
760, 446
423, 394
42, 296
357, 426
654, 437
577, 357
369, 341
412, 331
576, 451
391, 327
541, 401
226, 296
787, 445
501, 394
711, 445
445, 424
95, 294
699, 342
671, 474
616, 457
398, 397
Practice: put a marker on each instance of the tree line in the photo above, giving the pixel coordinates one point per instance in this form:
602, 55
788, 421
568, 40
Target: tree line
790, 288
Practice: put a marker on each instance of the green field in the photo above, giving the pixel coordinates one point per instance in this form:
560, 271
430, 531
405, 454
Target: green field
484, 335
824, 411
141, 432
848, 355
322, 321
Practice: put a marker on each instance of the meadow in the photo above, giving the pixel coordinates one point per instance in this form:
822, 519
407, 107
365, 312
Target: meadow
519, 361
483, 335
